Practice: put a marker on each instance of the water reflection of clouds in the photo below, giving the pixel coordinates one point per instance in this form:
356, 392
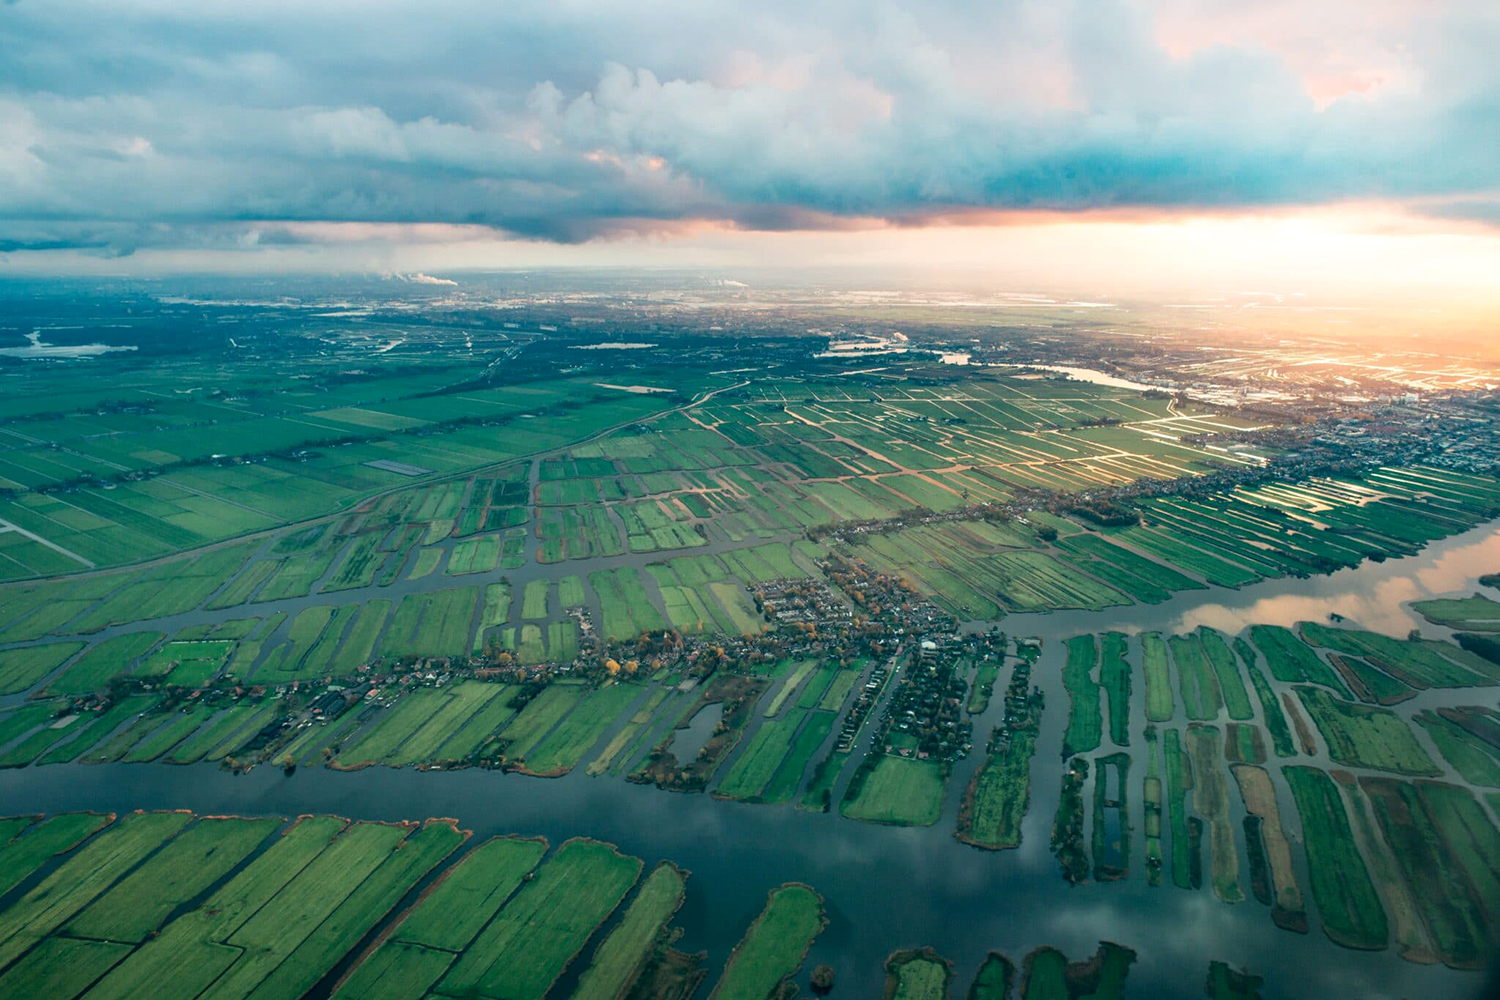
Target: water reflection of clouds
1459, 567
1178, 934
1200, 925
1374, 595
1380, 609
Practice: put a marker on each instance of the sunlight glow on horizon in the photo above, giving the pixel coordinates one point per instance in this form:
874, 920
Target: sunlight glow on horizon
1369, 251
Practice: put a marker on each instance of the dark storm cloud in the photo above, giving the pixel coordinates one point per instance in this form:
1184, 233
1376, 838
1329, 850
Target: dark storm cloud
156, 122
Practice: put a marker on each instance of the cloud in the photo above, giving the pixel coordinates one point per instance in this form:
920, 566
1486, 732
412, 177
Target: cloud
163, 122
54, 243
427, 279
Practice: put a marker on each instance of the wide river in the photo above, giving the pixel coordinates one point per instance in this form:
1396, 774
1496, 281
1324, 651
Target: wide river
892, 888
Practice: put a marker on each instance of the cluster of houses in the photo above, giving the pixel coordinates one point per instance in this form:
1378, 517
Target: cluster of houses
854, 721
925, 718
802, 602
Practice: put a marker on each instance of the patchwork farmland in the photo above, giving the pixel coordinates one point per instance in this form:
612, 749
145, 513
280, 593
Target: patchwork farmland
888, 620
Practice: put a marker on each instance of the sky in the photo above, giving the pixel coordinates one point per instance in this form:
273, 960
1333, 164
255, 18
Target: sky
1117, 144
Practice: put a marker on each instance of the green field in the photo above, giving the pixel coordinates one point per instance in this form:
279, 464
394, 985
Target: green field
896, 791
999, 795
1430, 858
1110, 842
172, 906
359, 643
1225, 983
1151, 794
818, 796
331, 564
82, 878
1201, 698
382, 738
437, 624
571, 894
432, 727
110, 658
1415, 663
1365, 736
1284, 892
470, 894
362, 560
623, 954
917, 976
627, 610
1161, 706
534, 600
788, 777
793, 680
977, 571
983, 687
1186, 856
1408, 930
994, 980
1114, 678
176, 727
291, 941
1227, 673
1211, 801
615, 755
1474, 759
426, 942
1272, 717
538, 718
757, 763
23, 667
1291, 660
99, 729
580, 729
21, 856
474, 555
774, 946
284, 919
1084, 723
190, 863
570, 592
1471, 844
1347, 902
1476, 614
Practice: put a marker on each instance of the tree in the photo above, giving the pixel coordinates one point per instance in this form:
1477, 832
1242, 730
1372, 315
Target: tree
822, 979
